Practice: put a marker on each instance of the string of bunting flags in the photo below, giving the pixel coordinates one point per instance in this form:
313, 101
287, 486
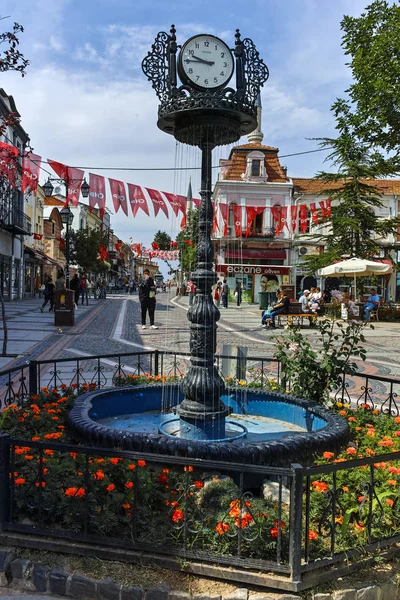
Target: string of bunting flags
128, 194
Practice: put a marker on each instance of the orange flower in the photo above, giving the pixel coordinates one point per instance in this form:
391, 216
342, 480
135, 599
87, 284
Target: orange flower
345, 488
397, 419
328, 455
369, 452
385, 443
35, 438
126, 506
389, 501
141, 463
392, 481
351, 450
99, 475
361, 498
49, 452
129, 485
274, 532
371, 433
351, 419
358, 428
165, 470
342, 413
244, 521
396, 434
115, 461
276, 523
60, 426
110, 487
312, 535
177, 516
381, 465
189, 469
28, 457
198, 484
73, 491
131, 467
42, 484
19, 481
221, 528
73, 454
54, 418
99, 461
394, 470
45, 471
320, 486
359, 526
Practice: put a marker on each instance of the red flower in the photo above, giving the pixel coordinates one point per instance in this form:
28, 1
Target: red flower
177, 516
198, 484
221, 528
129, 485
312, 535
110, 487
328, 455
19, 481
320, 486
115, 461
141, 463
73, 491
351, 450
99, 475
43, 484
162, 478
274, 532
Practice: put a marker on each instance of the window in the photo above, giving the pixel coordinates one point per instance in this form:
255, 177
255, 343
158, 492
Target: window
255, 168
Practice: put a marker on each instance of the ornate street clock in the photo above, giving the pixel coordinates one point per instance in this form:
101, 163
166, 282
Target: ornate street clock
205, 63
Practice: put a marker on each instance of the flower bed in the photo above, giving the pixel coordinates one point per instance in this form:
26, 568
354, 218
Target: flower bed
109, 494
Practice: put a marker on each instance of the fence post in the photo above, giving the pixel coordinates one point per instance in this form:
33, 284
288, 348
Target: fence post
33, 377
5, 480
296, 504
156, 362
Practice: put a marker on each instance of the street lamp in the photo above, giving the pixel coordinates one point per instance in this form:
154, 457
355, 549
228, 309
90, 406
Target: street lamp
67, 217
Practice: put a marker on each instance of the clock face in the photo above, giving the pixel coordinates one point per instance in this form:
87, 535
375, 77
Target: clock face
205, 62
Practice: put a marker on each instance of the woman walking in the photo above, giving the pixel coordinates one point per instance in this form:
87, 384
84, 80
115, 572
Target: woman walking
48, 295
238, 293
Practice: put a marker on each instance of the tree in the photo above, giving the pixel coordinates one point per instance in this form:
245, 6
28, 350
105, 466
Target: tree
353, 226
372, 41
10, 60
163, 240
187, 241
84, 249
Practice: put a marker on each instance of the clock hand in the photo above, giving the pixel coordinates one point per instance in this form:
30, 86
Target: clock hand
207, 62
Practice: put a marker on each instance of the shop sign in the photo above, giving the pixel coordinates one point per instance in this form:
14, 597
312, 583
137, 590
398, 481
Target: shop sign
253, 270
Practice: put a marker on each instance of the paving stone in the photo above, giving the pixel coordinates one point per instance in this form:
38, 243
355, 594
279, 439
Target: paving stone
80, 586
239, 594
40, 577
176, 595
58, 582
204, 597
108, 589
158, 592
368, 593
322, 597
344, 595
19, 568
133, 593
389, 591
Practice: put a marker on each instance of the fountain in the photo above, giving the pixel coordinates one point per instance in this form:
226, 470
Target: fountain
205, 112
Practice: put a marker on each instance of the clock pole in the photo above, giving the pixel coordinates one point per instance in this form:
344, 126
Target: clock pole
204, 117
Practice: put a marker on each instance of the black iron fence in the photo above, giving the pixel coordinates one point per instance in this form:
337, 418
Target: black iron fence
299, 524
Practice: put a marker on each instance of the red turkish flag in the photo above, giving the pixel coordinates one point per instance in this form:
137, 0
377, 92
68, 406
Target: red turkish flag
137, 199
303, 218
251, 213
37, 236
8, 162
237, 219
276, 213
224, 210
30, 172
59, 168
118, 195
284, 214
103, 253
323, 209
314, 213
158, 201
97, 194
293, 214
328, 204
75, 178
118, 245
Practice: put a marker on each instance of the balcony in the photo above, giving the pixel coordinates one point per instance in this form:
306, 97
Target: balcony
17, 222
260, 234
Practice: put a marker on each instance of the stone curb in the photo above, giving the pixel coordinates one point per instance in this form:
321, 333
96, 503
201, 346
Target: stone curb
26, 576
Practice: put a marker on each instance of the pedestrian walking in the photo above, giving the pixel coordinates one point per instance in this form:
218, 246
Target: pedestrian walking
192, 292
48, 295
147, 297
238, 293
89, 286
75, 286
60, 281
225, 293
83, 290
217, 293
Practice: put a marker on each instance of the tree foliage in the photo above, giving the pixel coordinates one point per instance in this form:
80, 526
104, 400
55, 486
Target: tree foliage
187, 241
372, 41
353, 227
12, 59
163, 240
84, 249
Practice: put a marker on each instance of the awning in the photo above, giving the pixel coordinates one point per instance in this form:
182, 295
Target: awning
258, 253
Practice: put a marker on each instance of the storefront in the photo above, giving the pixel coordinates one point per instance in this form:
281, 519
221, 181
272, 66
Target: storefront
255, 279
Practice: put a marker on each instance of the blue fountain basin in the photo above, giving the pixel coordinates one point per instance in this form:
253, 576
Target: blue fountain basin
279, 428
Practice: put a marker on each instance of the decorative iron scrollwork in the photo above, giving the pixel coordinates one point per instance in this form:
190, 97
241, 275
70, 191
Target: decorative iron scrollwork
156, 65
256, 71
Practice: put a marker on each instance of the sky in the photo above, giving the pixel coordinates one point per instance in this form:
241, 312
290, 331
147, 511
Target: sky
85, 101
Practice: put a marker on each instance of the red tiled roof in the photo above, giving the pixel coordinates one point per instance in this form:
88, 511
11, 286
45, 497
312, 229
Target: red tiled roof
314, 186
53, 202
238, 162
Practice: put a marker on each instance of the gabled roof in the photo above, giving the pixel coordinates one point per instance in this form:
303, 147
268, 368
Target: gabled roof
238, 162
305, 185
53, 202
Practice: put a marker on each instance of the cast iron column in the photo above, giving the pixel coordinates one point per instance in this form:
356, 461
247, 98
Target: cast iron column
202, 412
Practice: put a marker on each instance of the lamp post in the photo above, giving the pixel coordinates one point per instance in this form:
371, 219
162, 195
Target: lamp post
66, 214
67, 217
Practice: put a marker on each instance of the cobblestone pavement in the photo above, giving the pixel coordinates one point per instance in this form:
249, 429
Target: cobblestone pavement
112, 326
